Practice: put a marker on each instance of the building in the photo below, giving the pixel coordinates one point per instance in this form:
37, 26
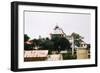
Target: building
58, 32
81, 51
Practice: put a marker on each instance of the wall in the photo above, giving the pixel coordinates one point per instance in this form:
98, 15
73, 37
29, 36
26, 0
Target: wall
5, 35
82, 53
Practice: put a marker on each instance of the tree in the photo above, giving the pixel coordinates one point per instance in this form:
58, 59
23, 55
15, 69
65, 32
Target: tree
55, 40
48, 45
26, 45
61, 43
77, 39
26, 37
35, 43
64, 44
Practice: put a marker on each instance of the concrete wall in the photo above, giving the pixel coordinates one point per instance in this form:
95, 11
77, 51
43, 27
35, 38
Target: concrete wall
82, 53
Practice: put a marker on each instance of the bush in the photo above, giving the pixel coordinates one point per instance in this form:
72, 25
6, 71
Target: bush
68, 56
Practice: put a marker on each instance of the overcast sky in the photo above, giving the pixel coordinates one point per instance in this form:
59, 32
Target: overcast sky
43, 23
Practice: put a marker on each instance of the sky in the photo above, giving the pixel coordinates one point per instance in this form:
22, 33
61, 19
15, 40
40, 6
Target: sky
42, 24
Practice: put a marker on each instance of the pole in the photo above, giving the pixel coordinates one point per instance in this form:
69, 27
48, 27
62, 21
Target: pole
73, 45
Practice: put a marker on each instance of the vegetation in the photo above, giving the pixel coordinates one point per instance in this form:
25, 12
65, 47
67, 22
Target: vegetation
77, 39
57, 43
68, 56
54, 44
61, 43
27, 46
26, 37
